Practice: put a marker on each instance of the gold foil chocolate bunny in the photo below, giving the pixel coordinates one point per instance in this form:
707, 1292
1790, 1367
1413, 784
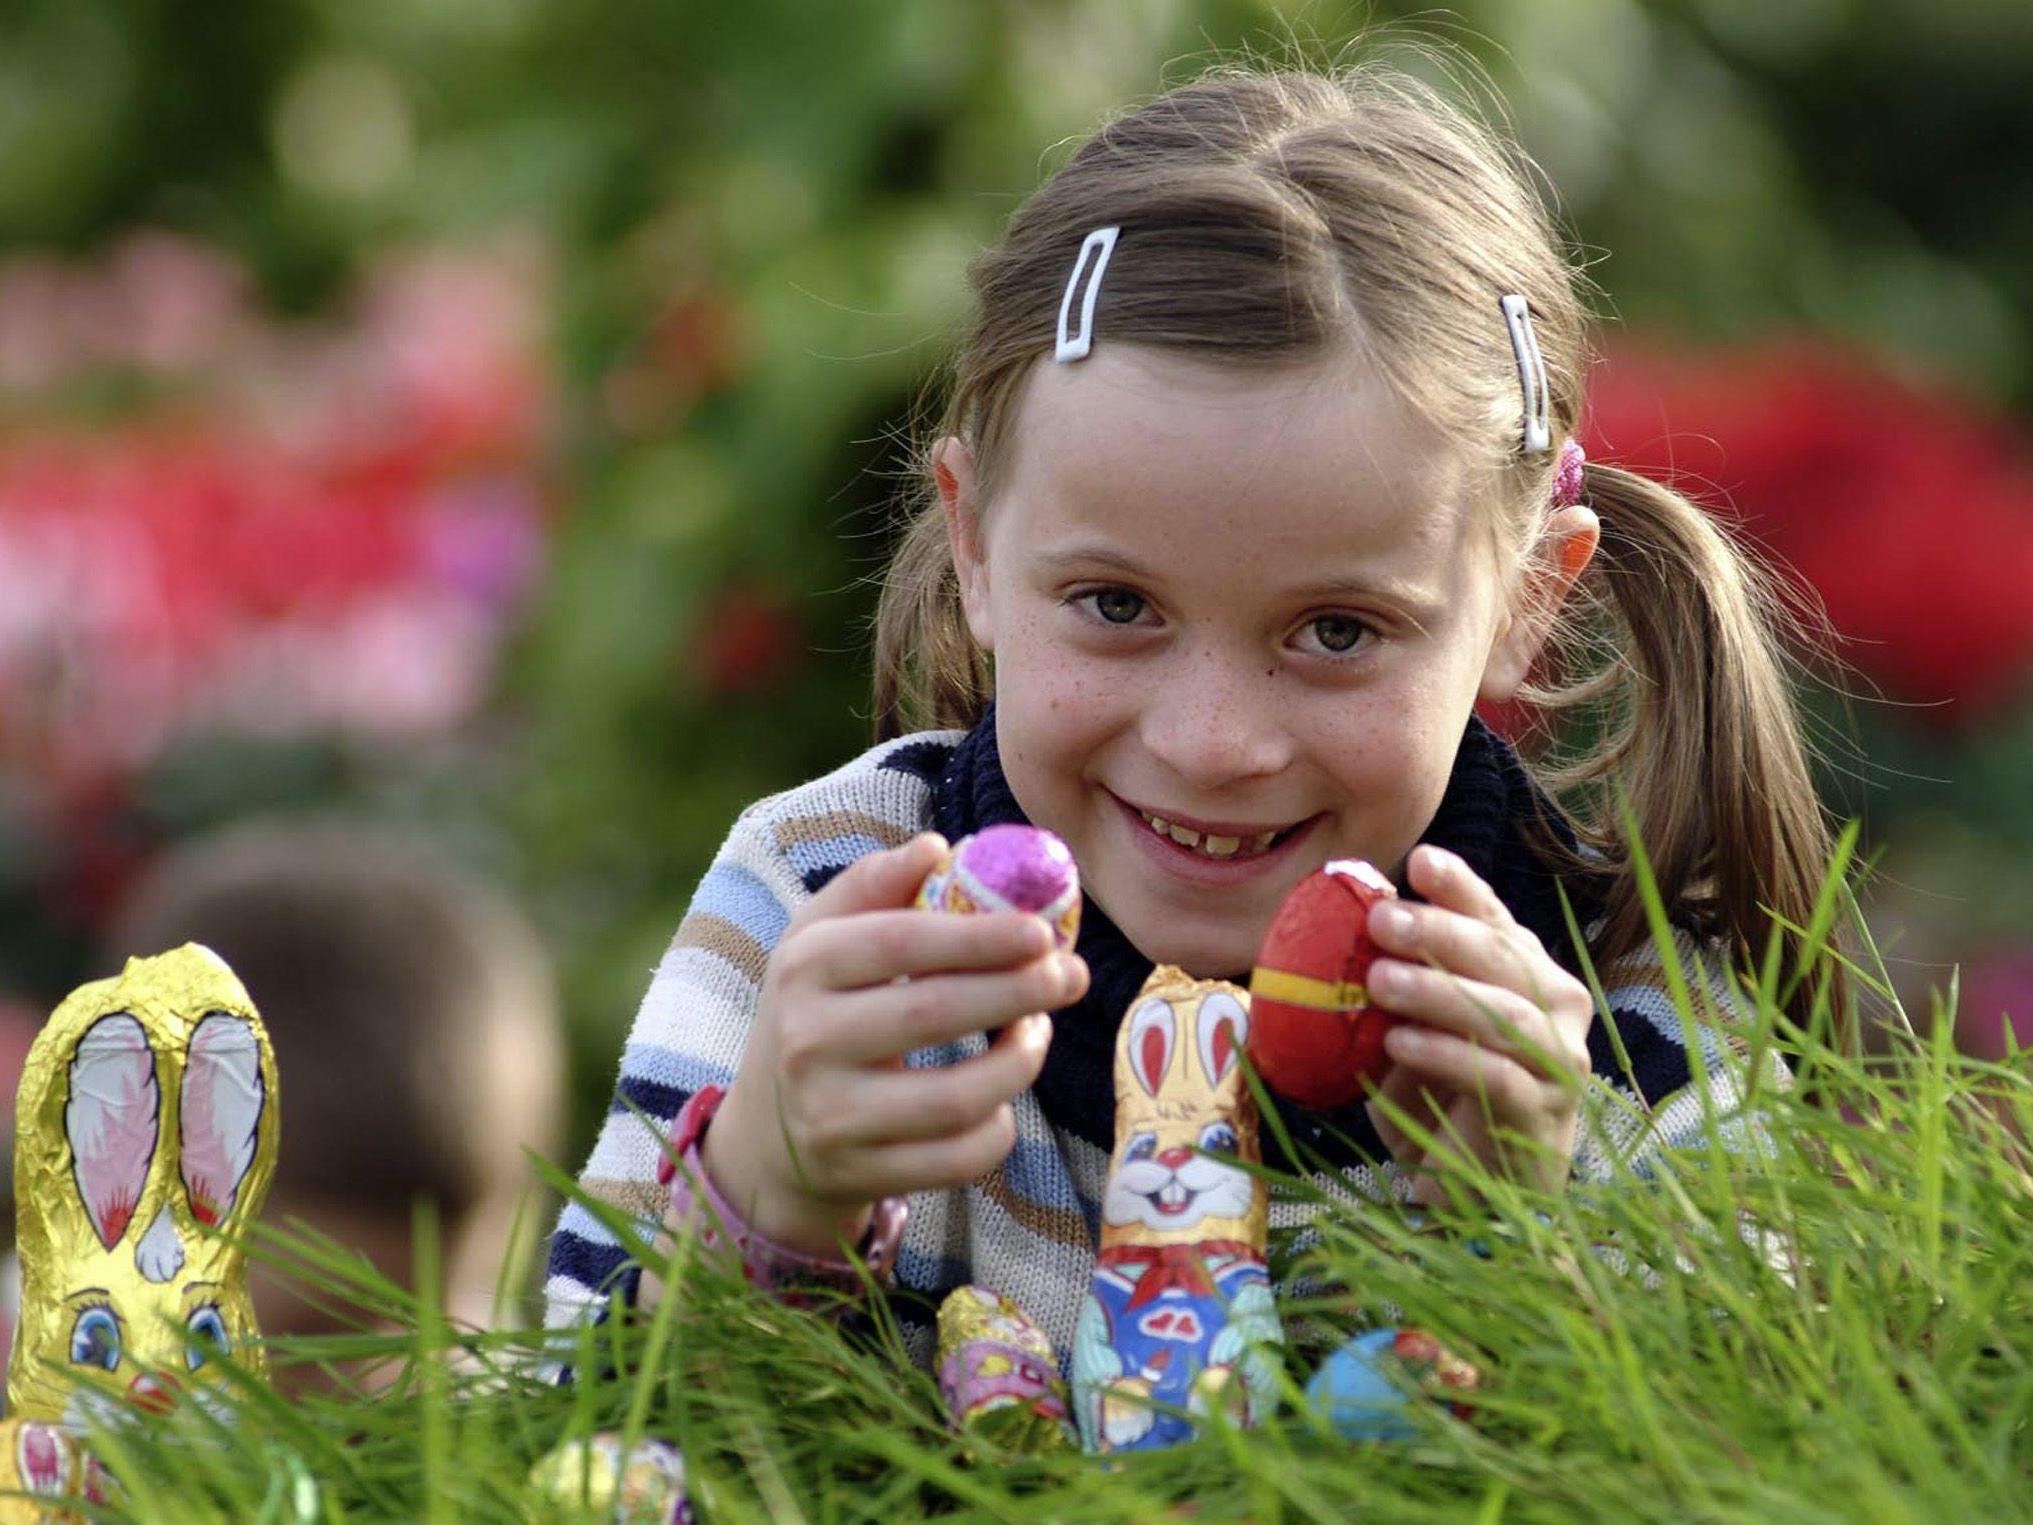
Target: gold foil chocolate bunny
146, 1117
1179, 1318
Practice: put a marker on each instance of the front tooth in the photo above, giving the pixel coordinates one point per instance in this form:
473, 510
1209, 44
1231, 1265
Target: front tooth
1262, 843
1182, 836
1221, 847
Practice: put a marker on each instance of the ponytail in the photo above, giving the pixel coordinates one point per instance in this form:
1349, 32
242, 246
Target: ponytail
929, 675
1698, 729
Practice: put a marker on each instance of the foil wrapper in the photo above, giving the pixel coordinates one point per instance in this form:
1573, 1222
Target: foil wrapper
643, 1486
1179, 1319
145, 1137
1009, 868
1314, 1036
998, 1375
52, 1473
1366, 1389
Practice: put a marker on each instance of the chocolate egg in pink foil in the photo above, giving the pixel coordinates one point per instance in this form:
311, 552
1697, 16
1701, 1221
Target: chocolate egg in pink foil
1009, 868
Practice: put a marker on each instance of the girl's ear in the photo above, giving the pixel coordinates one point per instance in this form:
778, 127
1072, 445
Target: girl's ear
953, 471
1566, 546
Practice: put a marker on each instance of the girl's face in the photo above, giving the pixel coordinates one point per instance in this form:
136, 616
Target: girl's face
1239, 618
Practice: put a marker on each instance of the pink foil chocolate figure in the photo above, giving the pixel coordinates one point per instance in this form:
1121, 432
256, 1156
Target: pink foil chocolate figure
997, 1373
1009, 868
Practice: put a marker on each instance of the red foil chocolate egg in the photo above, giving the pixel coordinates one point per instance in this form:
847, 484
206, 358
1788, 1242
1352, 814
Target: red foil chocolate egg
1313, 1035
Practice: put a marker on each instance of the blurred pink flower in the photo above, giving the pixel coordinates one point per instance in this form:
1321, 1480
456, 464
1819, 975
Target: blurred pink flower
332, 533
1996, 1003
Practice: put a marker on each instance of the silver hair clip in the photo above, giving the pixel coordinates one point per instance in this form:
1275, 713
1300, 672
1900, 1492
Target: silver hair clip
1075, 346
1531, 374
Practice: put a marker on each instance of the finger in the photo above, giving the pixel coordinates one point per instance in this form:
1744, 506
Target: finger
878, 947
936, 1164
1404, 1112
1500, 952
890, 1106
880, 881
1506, 1087
1445, 879
887, 1021
1493, 1016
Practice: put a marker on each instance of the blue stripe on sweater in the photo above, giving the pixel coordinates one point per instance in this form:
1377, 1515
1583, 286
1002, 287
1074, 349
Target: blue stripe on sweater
920, 759
1037, 1171
592, 1265
1666, 1018
734, 894
659, 1101
654, 1064
934, 1275
828, 855
1658, 1063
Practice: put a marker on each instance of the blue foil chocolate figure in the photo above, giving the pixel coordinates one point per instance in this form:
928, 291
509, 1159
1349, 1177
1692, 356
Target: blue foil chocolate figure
1179, 1320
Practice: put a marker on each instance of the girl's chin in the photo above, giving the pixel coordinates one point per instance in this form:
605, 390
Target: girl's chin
1203, 958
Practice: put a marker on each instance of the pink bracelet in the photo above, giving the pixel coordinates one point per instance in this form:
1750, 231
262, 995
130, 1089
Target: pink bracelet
764, 1262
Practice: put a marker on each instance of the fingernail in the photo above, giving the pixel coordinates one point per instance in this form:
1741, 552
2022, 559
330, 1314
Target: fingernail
1391, 920
1072, 972
1387, 978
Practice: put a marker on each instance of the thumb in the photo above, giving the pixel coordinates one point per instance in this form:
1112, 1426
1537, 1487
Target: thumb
884, 881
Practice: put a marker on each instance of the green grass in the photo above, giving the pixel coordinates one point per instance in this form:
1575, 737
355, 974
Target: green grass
1645, 1358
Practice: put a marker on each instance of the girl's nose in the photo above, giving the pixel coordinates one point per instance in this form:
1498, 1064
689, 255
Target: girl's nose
1214, 722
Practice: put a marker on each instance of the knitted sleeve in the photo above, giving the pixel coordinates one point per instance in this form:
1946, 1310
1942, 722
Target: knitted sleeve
1666, 1088
693, 1024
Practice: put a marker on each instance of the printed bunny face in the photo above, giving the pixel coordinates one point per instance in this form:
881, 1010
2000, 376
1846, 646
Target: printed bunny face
1183, 1118
147, 1113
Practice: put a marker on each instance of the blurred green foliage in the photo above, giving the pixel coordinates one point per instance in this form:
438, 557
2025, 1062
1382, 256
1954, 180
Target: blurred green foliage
760, 216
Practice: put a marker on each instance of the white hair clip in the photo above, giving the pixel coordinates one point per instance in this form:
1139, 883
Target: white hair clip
1101, 242
1531, 374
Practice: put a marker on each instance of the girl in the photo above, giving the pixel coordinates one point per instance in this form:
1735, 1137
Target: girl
1257, 476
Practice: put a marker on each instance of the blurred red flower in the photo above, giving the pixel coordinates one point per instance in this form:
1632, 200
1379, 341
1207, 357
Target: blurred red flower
1908, 510
747, 642
318, 529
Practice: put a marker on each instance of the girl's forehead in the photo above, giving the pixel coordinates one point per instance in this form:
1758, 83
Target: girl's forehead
1307, 452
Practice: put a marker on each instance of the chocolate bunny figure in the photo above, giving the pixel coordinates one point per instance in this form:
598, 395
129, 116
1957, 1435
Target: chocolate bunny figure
1179, 1315
146, 1115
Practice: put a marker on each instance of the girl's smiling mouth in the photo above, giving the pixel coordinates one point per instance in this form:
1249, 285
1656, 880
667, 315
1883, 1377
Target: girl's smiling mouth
1195, 845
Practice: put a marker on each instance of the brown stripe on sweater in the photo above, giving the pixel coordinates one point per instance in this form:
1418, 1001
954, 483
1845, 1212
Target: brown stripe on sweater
1061, 1224
830, 824
639, 1199
722, 938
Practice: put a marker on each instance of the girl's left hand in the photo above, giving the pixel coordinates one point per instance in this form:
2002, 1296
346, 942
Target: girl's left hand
1492, 1053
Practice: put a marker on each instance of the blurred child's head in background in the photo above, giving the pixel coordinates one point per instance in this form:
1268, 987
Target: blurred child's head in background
414, 1016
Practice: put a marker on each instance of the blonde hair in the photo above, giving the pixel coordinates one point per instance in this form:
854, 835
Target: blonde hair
1269, 216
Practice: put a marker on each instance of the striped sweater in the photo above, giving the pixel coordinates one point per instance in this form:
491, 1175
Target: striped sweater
1028, 1228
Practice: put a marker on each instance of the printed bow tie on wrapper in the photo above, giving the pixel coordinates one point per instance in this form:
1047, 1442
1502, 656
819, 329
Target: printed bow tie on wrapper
146, 1120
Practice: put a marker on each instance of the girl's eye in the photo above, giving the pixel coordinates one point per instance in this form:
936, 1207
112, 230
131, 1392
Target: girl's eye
207, 1335
95, 1338
1118, 606
1336, 634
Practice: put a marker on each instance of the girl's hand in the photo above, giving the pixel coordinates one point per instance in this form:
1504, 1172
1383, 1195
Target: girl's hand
822, 1117
1491, 1058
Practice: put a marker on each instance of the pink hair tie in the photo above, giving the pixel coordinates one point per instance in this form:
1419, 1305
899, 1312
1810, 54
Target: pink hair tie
1567, 481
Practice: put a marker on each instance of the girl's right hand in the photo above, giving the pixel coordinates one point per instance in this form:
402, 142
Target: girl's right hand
822, 1117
